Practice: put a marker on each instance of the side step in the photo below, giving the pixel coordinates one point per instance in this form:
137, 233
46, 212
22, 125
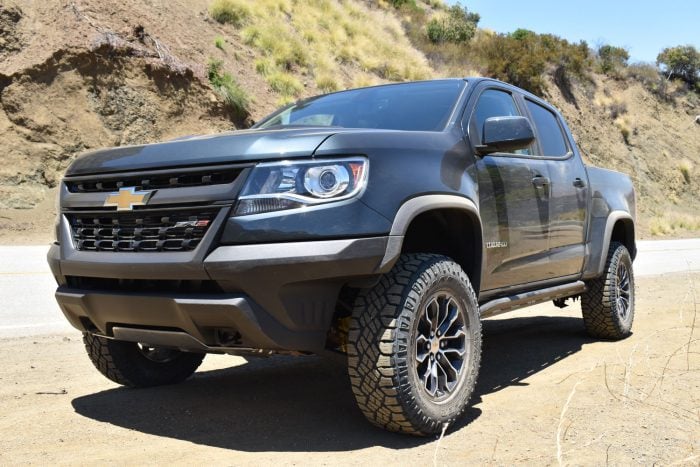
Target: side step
506, 304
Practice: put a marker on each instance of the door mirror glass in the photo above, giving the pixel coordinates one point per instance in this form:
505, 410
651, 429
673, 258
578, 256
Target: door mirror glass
506, 134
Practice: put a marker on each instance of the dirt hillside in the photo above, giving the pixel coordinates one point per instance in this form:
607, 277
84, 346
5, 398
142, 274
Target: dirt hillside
82, 74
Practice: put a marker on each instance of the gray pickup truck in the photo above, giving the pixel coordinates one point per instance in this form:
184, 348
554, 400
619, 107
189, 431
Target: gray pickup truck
381, 223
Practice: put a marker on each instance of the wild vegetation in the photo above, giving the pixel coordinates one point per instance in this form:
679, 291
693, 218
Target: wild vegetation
235, 98
323, 42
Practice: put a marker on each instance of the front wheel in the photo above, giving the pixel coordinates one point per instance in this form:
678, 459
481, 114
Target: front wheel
608, 303
415, 345
138, 365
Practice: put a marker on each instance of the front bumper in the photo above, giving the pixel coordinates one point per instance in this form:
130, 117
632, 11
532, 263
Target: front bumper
279, 296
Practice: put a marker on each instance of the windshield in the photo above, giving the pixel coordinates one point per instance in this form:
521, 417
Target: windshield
421, 106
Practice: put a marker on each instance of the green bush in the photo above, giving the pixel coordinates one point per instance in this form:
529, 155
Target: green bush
228, 88
219, 43
229, 11
649, 76
523, 57
681, 62
456, 25
612, 60
401, 3
285, 84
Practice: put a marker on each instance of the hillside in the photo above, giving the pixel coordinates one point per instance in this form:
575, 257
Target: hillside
78, 75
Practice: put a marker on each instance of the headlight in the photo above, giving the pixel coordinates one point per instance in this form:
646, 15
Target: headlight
277, 186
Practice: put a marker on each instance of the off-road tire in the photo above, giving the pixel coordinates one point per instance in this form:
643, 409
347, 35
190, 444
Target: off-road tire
126, 364
382, 359
603, 314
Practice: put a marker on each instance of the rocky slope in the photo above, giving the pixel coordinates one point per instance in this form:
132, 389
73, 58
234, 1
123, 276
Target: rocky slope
77, 75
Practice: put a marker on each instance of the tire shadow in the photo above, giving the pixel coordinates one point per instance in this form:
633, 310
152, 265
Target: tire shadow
305, 403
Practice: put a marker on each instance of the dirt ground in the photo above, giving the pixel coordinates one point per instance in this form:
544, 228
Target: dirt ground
547, 394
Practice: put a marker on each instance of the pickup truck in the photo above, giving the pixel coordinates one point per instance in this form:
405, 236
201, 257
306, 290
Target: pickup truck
381, 223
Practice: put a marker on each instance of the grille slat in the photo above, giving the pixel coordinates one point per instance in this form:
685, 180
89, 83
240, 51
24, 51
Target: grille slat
210, 176
141, 231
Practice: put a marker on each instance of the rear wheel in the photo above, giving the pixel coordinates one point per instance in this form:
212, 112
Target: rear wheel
138, 365
608, 303
415, 345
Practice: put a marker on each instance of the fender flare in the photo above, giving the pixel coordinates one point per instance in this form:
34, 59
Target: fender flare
612, 219
413, 208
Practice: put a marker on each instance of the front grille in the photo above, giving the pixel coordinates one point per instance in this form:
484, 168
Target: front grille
141, 231
155, 181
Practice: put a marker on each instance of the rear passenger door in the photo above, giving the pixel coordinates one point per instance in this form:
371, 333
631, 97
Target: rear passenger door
568, 189
513, 199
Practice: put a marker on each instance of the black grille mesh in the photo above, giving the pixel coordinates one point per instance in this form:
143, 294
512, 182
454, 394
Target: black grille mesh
141, 230
155, 181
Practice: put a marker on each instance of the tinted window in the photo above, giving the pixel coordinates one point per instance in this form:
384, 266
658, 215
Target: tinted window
548, 130
493, 103
423, 106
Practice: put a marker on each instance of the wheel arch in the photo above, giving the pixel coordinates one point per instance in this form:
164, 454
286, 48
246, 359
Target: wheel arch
619, 227
455, 231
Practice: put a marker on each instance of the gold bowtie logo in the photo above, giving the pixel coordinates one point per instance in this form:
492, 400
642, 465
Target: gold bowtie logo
126, 198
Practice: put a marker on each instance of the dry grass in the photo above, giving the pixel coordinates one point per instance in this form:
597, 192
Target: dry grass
614, 105
673, 224
623, 125
686, 168
330, 41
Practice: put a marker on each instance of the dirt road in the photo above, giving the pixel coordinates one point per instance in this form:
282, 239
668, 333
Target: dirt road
547, 394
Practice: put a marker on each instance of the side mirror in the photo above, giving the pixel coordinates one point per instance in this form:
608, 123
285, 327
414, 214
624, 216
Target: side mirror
505, 134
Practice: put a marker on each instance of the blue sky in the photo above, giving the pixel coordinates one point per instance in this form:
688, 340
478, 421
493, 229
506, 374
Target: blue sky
642, 27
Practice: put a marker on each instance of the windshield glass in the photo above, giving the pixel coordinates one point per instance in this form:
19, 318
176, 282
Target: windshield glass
422, 106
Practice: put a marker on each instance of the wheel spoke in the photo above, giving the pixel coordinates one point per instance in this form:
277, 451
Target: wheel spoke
422, 348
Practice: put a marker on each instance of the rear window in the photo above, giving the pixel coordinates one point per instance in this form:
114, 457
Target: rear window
423, 106
548, 130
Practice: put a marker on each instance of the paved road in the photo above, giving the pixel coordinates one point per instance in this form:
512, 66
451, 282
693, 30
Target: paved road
26, 285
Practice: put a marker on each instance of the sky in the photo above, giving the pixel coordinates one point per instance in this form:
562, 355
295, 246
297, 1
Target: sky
643, 27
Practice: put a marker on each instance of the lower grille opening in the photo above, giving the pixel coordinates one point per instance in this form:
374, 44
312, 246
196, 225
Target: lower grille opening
144, 285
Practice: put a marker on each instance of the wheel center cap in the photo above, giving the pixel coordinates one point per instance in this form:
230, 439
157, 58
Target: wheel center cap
434, 345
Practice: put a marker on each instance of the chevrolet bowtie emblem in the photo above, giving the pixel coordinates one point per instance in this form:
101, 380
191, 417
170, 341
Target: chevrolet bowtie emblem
126, 198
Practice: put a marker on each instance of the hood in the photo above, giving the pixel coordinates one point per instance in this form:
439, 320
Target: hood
231, 147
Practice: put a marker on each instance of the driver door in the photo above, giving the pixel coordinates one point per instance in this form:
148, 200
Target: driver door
514, 196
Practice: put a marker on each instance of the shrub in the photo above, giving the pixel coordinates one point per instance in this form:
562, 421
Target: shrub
686, 168
523, 57
456, 25
401, 3
219, 43
612, 59
681, 62
228, 88
285, 84
229, 11
648, 75
327, 84
623, 125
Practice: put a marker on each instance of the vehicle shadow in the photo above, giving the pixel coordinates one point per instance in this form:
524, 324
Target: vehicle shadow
305, 404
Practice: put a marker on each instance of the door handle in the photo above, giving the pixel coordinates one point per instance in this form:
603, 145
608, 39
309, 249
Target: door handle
579, 183
539, 181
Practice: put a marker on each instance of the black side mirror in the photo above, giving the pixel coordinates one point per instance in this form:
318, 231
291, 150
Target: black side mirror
505, 134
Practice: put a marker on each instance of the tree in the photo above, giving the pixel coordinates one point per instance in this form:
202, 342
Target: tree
612, 58
457, 25
681, 62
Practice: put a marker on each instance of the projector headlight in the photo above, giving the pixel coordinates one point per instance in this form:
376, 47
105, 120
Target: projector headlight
277, 186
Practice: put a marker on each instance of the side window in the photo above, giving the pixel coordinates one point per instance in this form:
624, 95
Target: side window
494, 103
548, 130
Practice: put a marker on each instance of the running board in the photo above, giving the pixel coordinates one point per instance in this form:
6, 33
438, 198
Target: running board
506, 304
